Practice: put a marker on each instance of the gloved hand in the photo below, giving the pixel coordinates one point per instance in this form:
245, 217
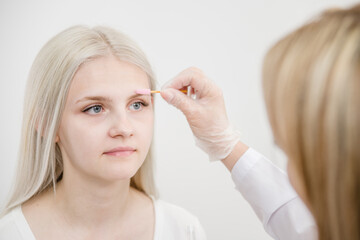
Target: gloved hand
205, 113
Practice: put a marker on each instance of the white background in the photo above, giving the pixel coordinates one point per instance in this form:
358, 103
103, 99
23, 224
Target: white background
227, 39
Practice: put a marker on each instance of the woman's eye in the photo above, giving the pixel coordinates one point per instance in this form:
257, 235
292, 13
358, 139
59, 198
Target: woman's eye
136, 106
94, 109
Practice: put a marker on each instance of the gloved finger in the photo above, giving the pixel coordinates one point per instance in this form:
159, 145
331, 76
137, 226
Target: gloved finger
178, 100
193, 77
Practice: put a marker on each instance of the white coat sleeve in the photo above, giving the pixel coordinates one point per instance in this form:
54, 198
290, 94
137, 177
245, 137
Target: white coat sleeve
268, 191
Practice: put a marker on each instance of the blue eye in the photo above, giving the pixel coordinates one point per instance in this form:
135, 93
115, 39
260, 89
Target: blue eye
94, 109
137, 106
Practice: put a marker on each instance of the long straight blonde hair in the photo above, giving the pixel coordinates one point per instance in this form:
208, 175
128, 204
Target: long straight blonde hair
311, 81
40, 161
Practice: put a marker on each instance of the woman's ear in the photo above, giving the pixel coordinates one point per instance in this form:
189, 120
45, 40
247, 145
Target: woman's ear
57, 139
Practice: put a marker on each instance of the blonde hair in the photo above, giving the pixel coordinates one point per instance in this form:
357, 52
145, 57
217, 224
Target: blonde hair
40, 161
311, 82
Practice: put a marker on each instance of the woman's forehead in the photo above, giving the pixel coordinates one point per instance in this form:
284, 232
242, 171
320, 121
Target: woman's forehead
109, 73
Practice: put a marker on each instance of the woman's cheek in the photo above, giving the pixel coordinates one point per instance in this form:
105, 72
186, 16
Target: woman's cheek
144, 125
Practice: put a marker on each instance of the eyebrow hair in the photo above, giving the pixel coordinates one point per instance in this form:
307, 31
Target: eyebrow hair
94, 98
104, 99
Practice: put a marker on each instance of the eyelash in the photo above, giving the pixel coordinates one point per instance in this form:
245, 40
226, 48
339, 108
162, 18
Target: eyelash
144, 104
91, 107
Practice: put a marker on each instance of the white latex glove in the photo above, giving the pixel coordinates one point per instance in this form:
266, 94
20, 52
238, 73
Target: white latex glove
206, 114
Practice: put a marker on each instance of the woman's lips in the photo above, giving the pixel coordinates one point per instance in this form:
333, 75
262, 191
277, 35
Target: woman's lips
121, 151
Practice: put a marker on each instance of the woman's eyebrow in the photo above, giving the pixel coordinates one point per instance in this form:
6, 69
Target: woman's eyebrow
94, 98
105, 99
137, 95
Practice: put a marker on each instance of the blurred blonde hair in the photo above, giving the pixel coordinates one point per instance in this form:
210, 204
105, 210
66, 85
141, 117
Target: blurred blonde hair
311, 82
40, 160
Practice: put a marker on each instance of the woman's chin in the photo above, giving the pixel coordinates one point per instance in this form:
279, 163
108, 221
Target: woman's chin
124, 172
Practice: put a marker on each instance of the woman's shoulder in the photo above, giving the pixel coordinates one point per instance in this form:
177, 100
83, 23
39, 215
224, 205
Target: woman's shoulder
175, 222
12, 225
8, 220
174, 212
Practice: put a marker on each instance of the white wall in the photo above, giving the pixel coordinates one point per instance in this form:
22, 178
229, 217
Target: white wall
227, 39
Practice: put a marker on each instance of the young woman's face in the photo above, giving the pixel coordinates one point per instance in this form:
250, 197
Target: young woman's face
106, 129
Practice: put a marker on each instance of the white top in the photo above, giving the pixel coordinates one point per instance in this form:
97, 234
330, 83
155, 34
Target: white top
267, 189
171, 222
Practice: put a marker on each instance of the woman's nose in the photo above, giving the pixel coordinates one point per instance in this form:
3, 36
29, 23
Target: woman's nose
121, 126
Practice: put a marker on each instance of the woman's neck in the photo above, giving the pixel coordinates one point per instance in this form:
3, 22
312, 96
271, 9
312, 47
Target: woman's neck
89, 202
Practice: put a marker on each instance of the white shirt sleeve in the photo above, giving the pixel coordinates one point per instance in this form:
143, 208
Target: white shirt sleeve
267, 189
